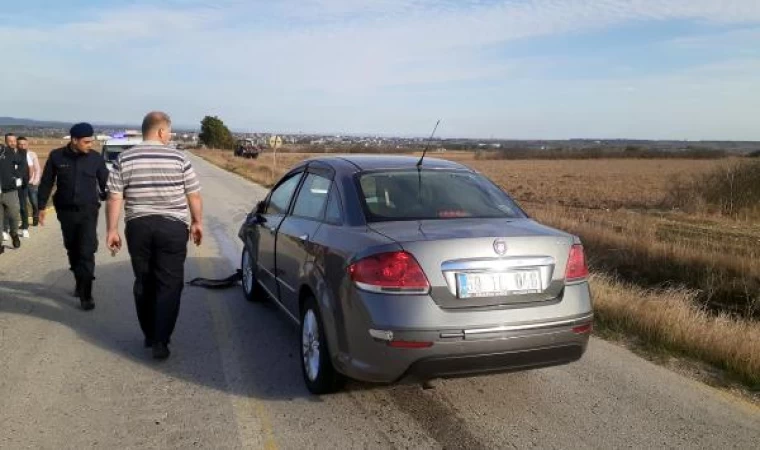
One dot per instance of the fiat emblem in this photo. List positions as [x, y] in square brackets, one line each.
[500, 247]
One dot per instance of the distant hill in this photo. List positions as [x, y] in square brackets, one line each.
[18, 122]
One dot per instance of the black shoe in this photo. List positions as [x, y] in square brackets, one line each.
[35, 221]
[149, 342]
[160, 350]
[87, 303]
[16, 240]
[85, 293]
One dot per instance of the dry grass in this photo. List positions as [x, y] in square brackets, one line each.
[732, 191]
[671, 319]
[261, 170]
[718, 258]
[588, 183]
[606, 184]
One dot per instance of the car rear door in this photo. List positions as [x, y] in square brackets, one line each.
[295, 250]
[276, 209]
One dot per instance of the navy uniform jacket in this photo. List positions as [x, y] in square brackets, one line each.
[80, 179]
[8, 173]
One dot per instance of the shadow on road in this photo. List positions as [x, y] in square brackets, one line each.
[221, 341]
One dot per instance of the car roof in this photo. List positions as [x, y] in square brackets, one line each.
[379, 162]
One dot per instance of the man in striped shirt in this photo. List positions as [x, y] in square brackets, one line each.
[158, 187]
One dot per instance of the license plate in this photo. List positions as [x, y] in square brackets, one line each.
[498, 284]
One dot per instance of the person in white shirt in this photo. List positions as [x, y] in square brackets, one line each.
[35, 173]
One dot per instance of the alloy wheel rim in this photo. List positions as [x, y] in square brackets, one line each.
[247, 272]
[310, 345]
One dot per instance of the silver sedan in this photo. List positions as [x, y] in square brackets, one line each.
[396, 271]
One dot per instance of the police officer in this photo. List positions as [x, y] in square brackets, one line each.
[80, 178]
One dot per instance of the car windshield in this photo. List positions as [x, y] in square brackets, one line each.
[432, 195]
[111, 152]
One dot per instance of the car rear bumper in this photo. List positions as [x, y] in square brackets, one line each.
[460, 342]
[452, 355]
[464, 365]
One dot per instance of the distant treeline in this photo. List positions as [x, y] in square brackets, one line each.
[599, 153]
[518, 152]
[526, 153]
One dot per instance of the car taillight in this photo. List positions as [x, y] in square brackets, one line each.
[576, 264]
[410, 344]
[394, 272]
[583, 329]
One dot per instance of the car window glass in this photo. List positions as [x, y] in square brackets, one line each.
[334, 211]
[280, 198]
[112, 152]
[433, 194]
[312, 198]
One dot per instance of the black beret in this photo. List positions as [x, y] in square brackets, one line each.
[82, 130]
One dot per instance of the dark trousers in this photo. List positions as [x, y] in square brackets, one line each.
[9, 212]
[158, 248]
[32, 194]
[23, 193]
[80, 237]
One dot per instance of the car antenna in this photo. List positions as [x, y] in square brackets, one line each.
[419, 163]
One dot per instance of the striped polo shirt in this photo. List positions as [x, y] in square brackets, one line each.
[154, 180]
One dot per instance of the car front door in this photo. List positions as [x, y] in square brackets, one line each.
[294, 247]
[274, 213]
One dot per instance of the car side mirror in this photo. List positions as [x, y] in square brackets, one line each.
[260, 207]
[259, 212]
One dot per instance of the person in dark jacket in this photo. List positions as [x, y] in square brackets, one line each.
[9, 184]
[80, 176]
[22, 171]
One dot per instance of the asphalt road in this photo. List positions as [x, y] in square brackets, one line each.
[74, 379]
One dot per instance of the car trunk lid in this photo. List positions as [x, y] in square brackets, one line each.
[485, 262]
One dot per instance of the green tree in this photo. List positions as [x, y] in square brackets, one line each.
[215, 134]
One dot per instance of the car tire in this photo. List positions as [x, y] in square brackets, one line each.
[252, 291]
[319, 374]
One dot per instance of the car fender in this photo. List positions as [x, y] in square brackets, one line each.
[314, 280]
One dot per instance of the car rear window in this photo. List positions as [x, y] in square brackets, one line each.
[433, 194]
[111, 152]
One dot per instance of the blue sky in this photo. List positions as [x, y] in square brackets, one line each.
[551, 69]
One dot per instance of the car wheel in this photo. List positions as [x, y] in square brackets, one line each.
[251, 289]
[318, 372]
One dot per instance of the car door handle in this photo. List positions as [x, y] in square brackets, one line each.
[304, 237]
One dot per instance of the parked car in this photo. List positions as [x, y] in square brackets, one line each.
[395, 273]
[112, 148]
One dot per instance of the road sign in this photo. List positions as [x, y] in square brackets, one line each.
[275, 142]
